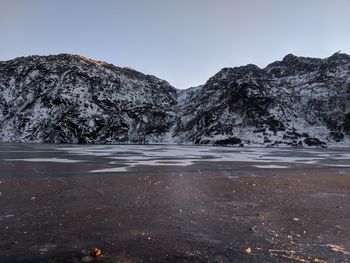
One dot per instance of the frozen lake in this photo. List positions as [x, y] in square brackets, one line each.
[147, 158]
[170, 203]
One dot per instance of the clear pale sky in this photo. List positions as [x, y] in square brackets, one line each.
[182, 41]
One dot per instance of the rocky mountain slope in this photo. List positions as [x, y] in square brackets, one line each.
[296, 101]
[72, 99]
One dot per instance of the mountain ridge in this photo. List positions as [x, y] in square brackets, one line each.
[69, 98]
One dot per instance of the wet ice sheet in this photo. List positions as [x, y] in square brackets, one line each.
[178, 194]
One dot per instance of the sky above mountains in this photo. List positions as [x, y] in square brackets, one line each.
[183, 41]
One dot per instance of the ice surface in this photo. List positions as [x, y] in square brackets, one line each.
[48, 160]
[121, 158]
[131, 156]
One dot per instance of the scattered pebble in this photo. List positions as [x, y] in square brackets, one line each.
[13, 243]
[319, 260]
[89, 254]
[97, 252]
[253, 228]
[337, 248]
[33, 198]
[43, 250]
[248, 250]
[86, 259]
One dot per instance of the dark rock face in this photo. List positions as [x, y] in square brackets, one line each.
[72, 99]
[313, 142]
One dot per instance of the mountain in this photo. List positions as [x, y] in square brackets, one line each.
[296, 101]
[73, 99]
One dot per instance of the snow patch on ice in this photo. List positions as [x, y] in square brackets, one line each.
[48, 160]
[271, 166]
[141, 164]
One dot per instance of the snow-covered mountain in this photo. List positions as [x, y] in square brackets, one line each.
[73, 99]
[294, 101]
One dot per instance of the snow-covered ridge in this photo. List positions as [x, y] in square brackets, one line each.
[73, 99]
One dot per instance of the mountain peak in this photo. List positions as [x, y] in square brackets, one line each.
[339, 56]
[86, 59]
[290, 58]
